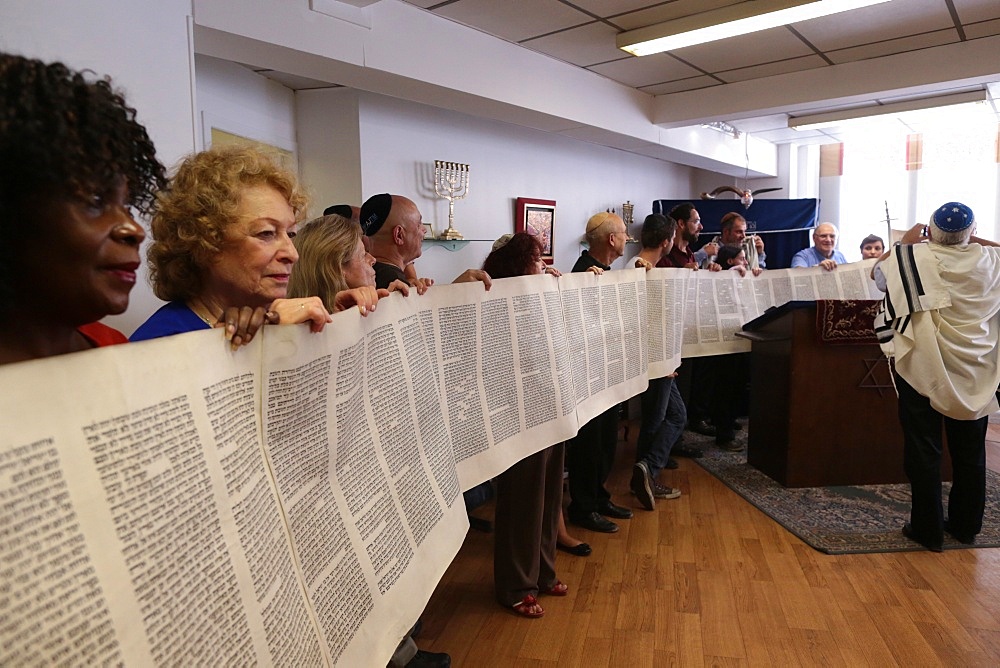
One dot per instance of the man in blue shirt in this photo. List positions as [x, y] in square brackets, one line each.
[823, 252]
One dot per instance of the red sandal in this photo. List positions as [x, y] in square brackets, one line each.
[524, 606]
[557, 589]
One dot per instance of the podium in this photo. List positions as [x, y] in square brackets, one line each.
[820, 414]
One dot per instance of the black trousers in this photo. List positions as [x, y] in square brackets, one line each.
[589, 458]
[922, 447]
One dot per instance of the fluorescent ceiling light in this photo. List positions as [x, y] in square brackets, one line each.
[739, 19]
[827, 119]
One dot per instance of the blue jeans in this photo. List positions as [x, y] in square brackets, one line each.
[663, 419]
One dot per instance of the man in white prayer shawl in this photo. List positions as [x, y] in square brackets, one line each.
[941, 319]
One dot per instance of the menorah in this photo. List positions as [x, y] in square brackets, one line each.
[451, 181]
[627, 209]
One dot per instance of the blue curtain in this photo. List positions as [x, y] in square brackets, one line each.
[784, 224]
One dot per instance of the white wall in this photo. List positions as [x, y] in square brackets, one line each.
[400, 141]
[143, 46]
[329, 146]
[234, 99]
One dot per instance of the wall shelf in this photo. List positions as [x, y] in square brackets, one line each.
[449, 244]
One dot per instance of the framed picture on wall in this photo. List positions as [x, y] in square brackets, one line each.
[538, 217]
[218, 130]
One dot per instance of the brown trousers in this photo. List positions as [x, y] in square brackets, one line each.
[529, 500]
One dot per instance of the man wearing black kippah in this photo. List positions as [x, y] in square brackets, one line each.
[395, 227]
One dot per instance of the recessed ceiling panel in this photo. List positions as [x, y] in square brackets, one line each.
[970, 11]
[514, 21]
[680, 85]
[877, 23]
[611, 7]
[586, 45]
[810, 62]
[745, 50]
[984, 29]
[787, 135]
[891, 46]
[646, 71]
[668, 11]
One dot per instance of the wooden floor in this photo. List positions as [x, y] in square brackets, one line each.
[707, 579]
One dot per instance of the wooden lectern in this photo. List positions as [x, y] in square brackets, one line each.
[820, 414]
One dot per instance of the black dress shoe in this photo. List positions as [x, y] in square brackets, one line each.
[618, 512]
[909, 533]
[424, 659]
[701, 427]
[581, 550]
[594, 522]
[960, 537]
[687, 451]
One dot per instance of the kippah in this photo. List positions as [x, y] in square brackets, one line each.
[597, 220]
[342, 210]
[501, 242]
[953, 217]
[374, 212]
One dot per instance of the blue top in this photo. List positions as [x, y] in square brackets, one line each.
[171, 318]
[810, 257]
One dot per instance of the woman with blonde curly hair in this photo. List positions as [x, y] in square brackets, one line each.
[222, 254]
[332, 258]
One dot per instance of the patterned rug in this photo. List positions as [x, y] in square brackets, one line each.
[837, 520]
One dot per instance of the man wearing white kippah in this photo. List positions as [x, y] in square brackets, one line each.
[591, 453]
[941, 321]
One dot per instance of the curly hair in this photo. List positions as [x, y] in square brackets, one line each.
[325, 245]
[196, 208]
[514, 258]
[64, 134]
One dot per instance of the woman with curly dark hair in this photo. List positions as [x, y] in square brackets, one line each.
[529, 493]
[74, 166]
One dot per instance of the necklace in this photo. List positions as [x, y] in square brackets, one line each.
[197, 310]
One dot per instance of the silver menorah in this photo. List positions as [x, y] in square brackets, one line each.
[451, 181]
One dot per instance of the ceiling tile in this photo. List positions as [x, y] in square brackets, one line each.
[787, 135]
[605, 8]
[891, 46]
[888, 20]
[746, 50]
[984, 29]
[680, 85]
[970, 11]
[645, 71]
[810, 62]
[668, 11]
[586, 45]
[514, 21]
